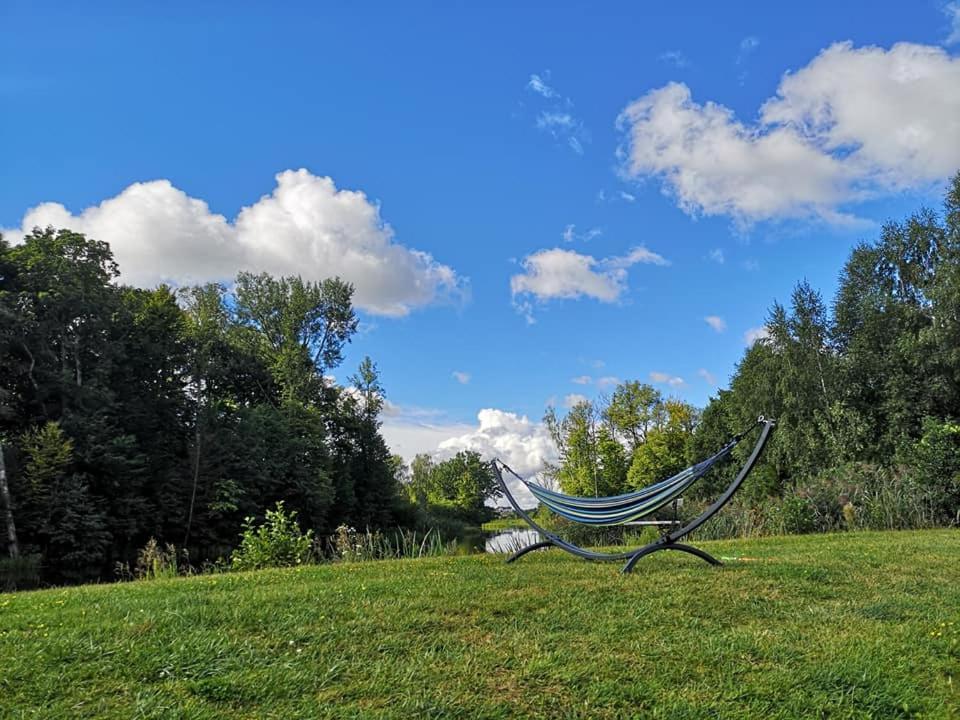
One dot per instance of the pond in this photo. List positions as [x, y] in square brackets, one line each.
[509, 541]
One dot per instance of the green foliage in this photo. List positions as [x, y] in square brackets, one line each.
[142, 414]
[633, 440]
[277, 542]
[873, 379]
[796, 515]
[463, 484]
[664, 450]
[936, 462]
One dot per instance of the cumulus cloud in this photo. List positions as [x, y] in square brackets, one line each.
[461, 377]
[627, 197]
[708, 376]
[523, 445]
[582, 380]
[565, 274]
[306, 226]
[852, 124]
[663, 378]
[716, 322]
[717, 256]
[755, 333]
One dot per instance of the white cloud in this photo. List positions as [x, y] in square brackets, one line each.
[636, 255]
[627, 197]
[563, 126]
[538, 85]
[570, 234]
[409, 437]
[523, 445]
[717, 256]
[716, 322]
[852, 124]
[306, 226]
[582, 380]
[574, 399]
[556, 273]
[557, 118]
[461, 377]
[556, 122]
[708, 376]
[952, 11]
[667, 379]
[608, 381]
[675, 58]
[756, 333]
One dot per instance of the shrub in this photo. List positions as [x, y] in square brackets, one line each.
[277, 542]
[797, 514]
[936, 462]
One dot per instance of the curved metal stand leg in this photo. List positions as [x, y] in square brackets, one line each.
[703, 555]
[530, 548]
[643, 552]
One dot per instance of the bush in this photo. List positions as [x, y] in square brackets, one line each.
[278, 542]
[797, 515]
[936, 462]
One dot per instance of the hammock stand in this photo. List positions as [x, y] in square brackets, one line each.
[623, 508]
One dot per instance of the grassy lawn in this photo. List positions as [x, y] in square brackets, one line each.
[856, 625]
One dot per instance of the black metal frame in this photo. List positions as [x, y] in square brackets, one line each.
[669, 541]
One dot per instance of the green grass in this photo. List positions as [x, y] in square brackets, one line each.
[853, 625]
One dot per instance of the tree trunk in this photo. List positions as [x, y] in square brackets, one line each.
[76, 360]
[196, 480]
[8, 509]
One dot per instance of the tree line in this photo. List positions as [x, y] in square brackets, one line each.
[865, 389]
[128, 414]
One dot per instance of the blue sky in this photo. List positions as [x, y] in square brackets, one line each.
[547, 192]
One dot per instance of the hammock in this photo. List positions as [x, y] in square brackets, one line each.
[620, 509]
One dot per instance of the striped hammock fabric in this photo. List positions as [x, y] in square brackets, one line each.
[620, 509]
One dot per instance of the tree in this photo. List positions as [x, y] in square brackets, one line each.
[462, 483]
[575, 436]
[664, 452]
[302, 327]
[633, 410]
